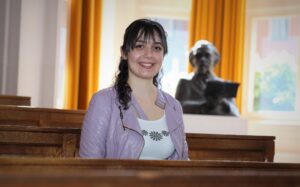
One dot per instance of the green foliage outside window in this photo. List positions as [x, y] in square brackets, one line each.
[275, 89]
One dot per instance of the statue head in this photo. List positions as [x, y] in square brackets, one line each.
[204, 56]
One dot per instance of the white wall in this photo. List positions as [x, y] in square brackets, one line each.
[108, 65]
[38, 51]
[9, 45]
[287, 142]
[2, 31]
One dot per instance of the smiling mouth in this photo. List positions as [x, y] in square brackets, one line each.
[146, 65]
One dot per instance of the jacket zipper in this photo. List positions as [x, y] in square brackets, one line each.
[121, 116]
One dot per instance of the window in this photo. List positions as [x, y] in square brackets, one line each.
[176, 61]
[272, 53]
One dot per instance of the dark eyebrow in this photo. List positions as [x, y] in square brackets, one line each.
[143, 41]
[158, 43]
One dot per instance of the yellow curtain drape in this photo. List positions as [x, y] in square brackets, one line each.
[221, 22]
[83, 52]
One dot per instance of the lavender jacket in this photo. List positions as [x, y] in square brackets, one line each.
[103, 135]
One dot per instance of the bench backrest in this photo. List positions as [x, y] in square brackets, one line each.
[64, 142]
[15, 100]
[42, 117]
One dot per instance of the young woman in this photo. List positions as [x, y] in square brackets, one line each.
[134, 119]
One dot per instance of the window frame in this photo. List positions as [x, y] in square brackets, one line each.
[248, 79]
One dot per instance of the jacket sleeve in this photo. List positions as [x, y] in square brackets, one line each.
[185, 153]
[185, 146]
[95, 126]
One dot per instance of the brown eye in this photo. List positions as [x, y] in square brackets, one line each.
[138, 46]
[158, 48]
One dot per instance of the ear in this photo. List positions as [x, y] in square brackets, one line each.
[123, 55]
[192, 62]
[216, 57]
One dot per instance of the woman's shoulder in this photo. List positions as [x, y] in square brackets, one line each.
[104, 95]
[106, 92]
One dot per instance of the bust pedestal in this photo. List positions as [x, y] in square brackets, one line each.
[215, 124]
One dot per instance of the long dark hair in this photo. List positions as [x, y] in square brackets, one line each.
[139, 28]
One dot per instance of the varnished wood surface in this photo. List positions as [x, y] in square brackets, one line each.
[20, 171]
[18, 140]
[229, 147]
[31, 131]
[39, 141]
[20, 163]
[127, 178]
[43, 117]
[15, 100]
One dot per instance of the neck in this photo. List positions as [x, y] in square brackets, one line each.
[204, 76]
[142, 88]
[201, 76]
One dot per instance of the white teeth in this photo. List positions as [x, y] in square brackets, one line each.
[146, 64]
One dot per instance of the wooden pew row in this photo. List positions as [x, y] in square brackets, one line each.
[64, 142]
[38, 141]
[43, 117]
[91, 172]
[172, 178]
[15, 100]
[231, 147]
[40, 163]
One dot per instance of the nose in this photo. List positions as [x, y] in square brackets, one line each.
[203, 59]
[148, 52]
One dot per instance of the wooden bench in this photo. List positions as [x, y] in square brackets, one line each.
[14, 100]
[38, 163]
[38, 141]
[64, 142]
[58, 172]
[26, 134]
[43, 117]
[129, 178]
[231, 147]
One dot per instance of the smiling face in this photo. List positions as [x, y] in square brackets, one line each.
[145, 58]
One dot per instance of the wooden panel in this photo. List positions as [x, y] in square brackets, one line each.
[116, 164]
[231, 147]
[30, 150]
[43, 117]
[129, 178]
[14, 100]
[227, 155]
[19, 171]
[38, 141]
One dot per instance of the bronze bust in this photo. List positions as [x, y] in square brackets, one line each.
[206, 93]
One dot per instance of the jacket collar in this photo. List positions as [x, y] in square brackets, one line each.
[160, 102]
[135, 111]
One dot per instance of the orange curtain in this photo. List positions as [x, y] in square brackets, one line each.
[221, 22]
[83, 52]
